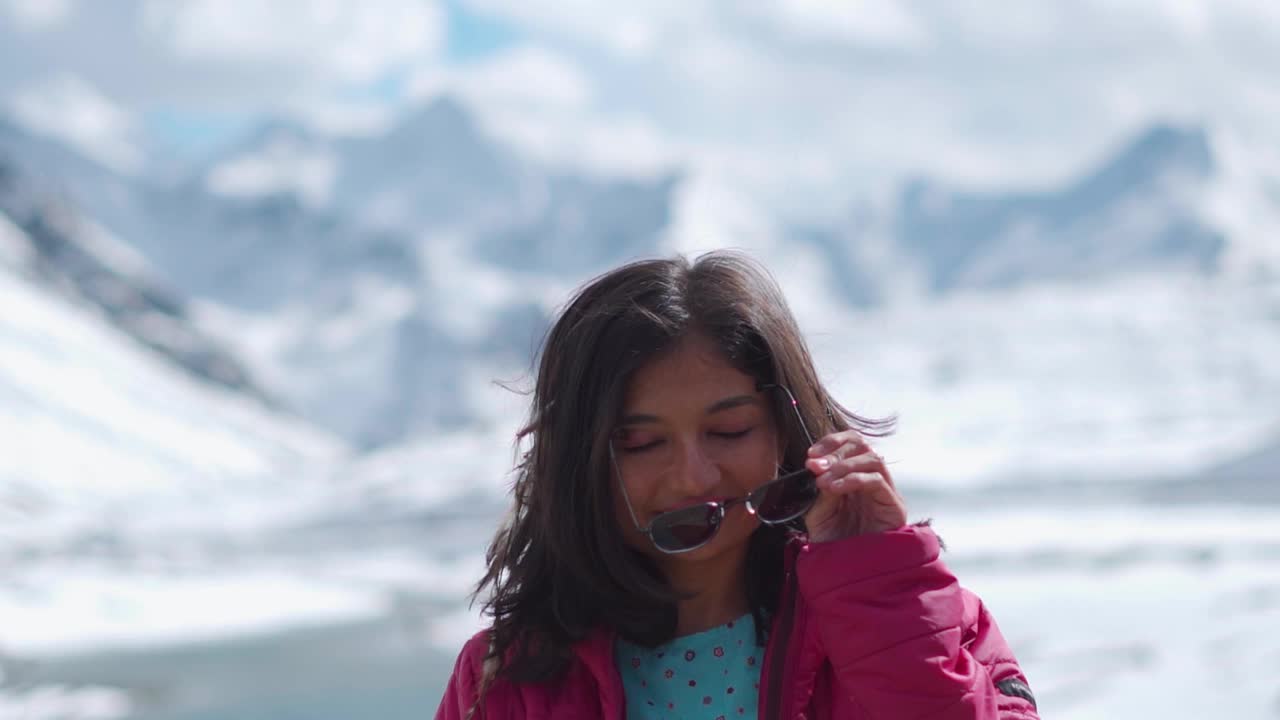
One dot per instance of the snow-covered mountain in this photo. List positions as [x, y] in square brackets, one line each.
[102, 434]
[337, 265]
[356, 273]
[1174, 199]
[1134, 304]
[1143, 209]
[369, 281]
[51, 243]
[55, 171]
[434, 168]
[436, 171]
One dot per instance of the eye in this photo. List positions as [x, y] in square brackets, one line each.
[642, 448]
[631, 441]
[733, 435]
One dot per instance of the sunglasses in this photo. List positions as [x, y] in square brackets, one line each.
[778, 501]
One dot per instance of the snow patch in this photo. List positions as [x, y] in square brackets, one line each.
[283, 165]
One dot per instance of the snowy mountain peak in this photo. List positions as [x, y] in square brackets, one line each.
[280, 157]
[279, 129]
[1140, 210]
[1161, 154]
[442, 118]
[434, 168]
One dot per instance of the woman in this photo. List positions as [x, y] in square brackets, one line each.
[680, 546]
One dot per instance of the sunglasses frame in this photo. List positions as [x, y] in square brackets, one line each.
[716, 509]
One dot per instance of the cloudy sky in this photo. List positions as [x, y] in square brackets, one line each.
[803, 98]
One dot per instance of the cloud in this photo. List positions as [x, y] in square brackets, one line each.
[69, 109]
[854, 93]
[353, 41]
[37, 15]
[630, 31]
[230, 57]
[800, 98]
[343, 116]
[282, 166]
[869, 23]
[533, 77]
[543, 102]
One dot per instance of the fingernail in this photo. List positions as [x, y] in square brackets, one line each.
[837, 482]
[824, 463]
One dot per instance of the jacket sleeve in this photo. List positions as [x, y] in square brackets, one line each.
[464, 683]
[903, 638]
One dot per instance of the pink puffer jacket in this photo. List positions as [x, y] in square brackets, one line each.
[869, 627]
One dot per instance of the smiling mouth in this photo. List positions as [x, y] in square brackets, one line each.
[694, 502]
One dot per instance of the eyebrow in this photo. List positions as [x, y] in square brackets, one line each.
[718, 406]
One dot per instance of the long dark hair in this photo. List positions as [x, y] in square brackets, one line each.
[559, 567]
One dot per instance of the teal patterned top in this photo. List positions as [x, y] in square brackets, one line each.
[710, 675]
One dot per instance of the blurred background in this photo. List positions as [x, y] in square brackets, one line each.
[265, 267]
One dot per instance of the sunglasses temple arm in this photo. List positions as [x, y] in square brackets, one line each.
[623, 489]
[795, 407]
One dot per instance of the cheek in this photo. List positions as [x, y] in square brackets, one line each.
[641, 488]
[755, 464]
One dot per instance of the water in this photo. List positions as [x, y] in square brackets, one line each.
[368, 669]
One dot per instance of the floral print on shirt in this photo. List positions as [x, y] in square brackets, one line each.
[710, 675]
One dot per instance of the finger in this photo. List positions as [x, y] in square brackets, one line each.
[827, 481]
[858, 482]
[846, 468]
[853, 448]
[888, 478]
[851, 445]
[847, 459]
[830, 442]
[872, 462]
[873, 495]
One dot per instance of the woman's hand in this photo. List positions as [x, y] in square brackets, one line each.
[856, 494]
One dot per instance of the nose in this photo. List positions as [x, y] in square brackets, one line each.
[696, 473]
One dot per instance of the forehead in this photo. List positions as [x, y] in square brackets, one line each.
[693, 373]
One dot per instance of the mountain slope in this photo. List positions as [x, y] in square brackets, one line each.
[54, 244]
[355, 298]
[103, 435]
[1140, 210]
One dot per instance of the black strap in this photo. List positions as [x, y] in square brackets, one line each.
[1014, 687]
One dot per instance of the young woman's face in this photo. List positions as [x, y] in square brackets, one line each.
[694, 428]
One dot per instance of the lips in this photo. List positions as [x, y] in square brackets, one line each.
[690, 502]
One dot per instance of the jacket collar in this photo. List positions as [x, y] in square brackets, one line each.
[595, 652]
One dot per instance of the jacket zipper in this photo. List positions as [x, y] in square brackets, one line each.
[782, 648]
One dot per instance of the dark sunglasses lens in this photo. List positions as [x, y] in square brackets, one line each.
[685, 529]
[786, 498]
